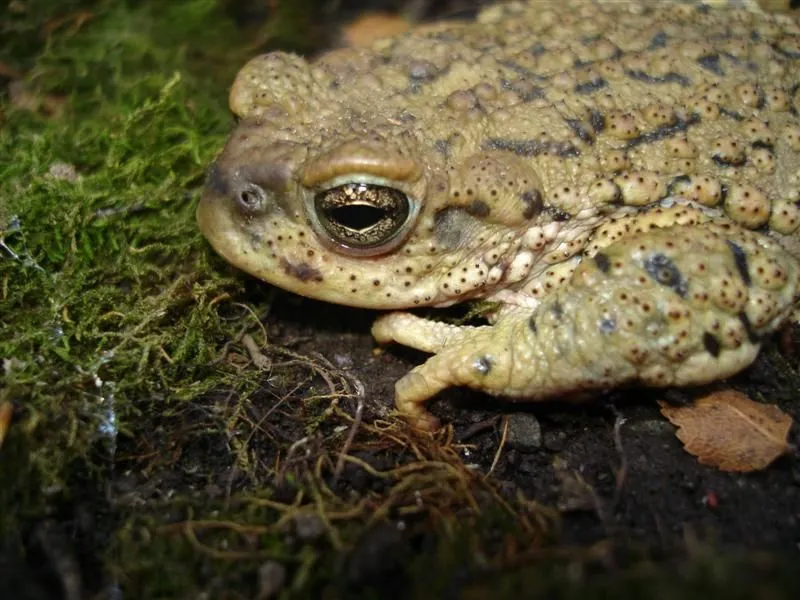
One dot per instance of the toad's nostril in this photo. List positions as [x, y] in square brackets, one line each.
[251, 197]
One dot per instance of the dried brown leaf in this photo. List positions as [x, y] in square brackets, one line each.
[373, 26]
[6, 413]
[728, 430]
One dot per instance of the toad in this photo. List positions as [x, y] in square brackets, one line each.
[621, 179]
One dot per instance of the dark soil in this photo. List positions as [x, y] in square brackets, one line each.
[643, 488]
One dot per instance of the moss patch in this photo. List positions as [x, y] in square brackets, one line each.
[107, 292]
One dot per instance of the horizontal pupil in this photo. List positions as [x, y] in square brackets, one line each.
[358, 217]
[363, 217]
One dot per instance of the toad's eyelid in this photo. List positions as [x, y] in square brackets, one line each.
[365, 178]
[356, 157]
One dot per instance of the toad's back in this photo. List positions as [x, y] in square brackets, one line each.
[586, 94]
[545, 149]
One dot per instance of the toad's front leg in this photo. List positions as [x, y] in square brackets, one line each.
[677, 306]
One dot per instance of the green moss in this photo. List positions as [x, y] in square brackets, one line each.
[115, 314]
[107, 288]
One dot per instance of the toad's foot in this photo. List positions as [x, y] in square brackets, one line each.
[419, 333]
[428, 336]
[677, 306]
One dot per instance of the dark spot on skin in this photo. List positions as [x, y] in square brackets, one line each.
[751, 66]
[755, 35]
[449, 223]
[216, 181]
[664, 271]
[524, 88]
[670, 77]
[483, 365]
[532, 147]
[602, 261]
[733, 58]
[762, 100]
[442, 147]
[597, 120]
[532, 324]
[533, 203]
[711, 344]
[608, 325]
[537, 49]
[787, 53]
[762, 144]
[422, 70]
[256, 240]
[664, 132]
[518, 68]
[675, 182]
[724, 162]
[557, 214]
[302, 272]
[659, 40]
[748, 327]
[479, 208]
[557, 309]
[587, 87]
[731, 114]
[740, 258]
[581, 130]
[710, 62]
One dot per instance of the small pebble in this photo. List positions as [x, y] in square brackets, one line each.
[271, 577]
[524, 432]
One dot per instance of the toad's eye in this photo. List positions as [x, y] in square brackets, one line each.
[363, 219]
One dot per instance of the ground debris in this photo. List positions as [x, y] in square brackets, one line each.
[271, 577]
